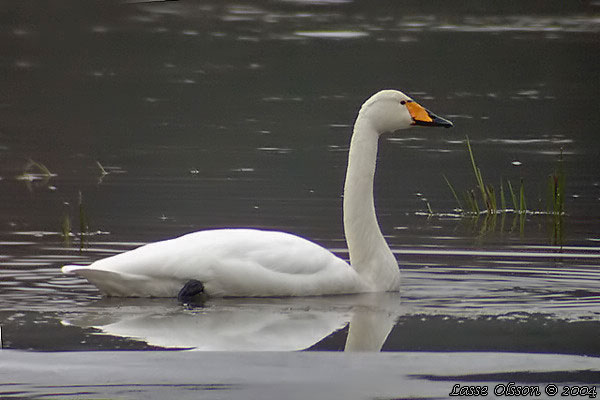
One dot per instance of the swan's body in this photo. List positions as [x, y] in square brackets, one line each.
[250, 262]
[229, 262]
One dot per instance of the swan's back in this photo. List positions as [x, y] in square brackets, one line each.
[229, 262]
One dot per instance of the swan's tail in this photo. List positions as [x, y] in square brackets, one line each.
[73, 269]
[120, 284]
[108, 282]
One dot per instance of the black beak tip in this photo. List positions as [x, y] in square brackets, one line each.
[439, 121]
[436, 121]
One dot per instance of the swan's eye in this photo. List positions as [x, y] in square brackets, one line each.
[403, 102]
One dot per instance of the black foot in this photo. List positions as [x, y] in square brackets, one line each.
[191, 289]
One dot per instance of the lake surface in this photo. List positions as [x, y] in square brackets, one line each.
[124, 123]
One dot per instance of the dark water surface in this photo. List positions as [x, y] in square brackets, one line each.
[220, 114]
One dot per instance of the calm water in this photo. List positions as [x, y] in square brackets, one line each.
[239, 114]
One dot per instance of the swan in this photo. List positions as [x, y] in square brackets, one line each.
[263, 263]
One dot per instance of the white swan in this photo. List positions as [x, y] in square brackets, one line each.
[251, 262]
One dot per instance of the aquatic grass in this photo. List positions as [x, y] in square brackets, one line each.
[478, 177]
[487, 193]
[83, 221]
[460, 206]
[66, 225]
[522, 204]
[103, 172]
[101, 168]
[555, 202]
[65, 228]
[472, 200]
[42, 169]
[469, 201]
[513, 197]
[34, 171]
[556, 188]
[491, 197]
[502, 198]
[429, 207]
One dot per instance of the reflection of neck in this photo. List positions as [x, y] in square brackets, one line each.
[368, 330]
[369, 252]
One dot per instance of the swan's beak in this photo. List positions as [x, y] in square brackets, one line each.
[422, 116]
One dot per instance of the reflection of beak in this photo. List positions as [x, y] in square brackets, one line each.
[422, 116]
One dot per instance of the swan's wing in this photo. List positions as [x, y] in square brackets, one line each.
[231, 262]
[118, 283]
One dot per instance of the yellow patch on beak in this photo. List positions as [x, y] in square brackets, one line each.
[417, 112]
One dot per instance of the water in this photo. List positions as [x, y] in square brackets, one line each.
[239, 114]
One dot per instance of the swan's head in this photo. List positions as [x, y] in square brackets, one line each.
[391, 110]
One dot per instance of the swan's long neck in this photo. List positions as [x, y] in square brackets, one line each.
[370, 255]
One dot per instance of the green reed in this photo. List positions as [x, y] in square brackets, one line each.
[83, 221]
[40, 167]
[66, 226]
[486, 194]
[556, 189]
[556, 201]
[482, 199]
[478, 177]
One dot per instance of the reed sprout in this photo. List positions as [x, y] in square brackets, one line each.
[460, 206]
[513, 197]
[66, 226]
[486, 194]
[502, 198]
[41, 168]
[556, 189]
[522, 204]
[33, 172]
[556, 200]
[479, 178]
[429, 208]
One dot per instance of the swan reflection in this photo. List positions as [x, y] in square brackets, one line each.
[273, 324]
